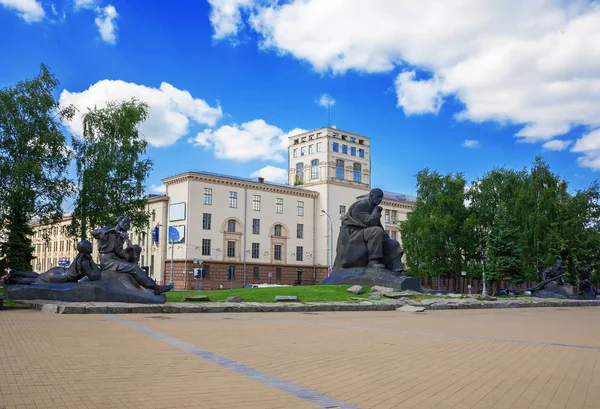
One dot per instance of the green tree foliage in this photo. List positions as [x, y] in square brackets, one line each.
[111, 167]
[504, 255]
[434, 233]
[33, 163]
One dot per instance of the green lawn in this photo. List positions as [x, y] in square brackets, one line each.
[8, 303]
[314, 293]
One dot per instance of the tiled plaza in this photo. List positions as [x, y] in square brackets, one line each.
[497, 358]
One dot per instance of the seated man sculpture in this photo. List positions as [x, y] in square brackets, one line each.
[82, 266]
[113, 256]
[584, 282]
[555, 273]
[363, 242]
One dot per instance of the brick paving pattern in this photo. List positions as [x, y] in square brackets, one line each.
[511, 358]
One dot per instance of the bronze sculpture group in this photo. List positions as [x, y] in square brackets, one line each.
[114, 257]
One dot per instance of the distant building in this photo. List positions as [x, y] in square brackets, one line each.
[248, 231]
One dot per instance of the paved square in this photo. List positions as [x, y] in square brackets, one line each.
[504, 358]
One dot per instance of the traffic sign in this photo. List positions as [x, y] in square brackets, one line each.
[270, 274]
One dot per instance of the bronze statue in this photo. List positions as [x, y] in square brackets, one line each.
[82, 266]
[584, 279]
[555, 273]
[363, 241]
[113, 256]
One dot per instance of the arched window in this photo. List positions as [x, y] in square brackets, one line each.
[300, 172]
[357, 173]
[231, 226]
[277, 230]
[339, 169]
[314, 169]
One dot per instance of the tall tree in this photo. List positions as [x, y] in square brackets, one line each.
[111, 166]
[33, 163]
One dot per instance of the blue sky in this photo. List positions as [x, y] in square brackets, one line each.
[456, 86]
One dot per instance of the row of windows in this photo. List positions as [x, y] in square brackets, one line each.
[311, 149]
[340, 170]
[391, 216]
[255, 273]
[256, 202]
[231, 226]
[255, 252]
[336, 148]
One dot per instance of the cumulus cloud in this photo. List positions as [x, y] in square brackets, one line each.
[271, 174]
[589, 145]
[158, 189]
[171, 110]
[85, 4]
[251, 140]
[326, 101]
[557, 145]
[105, 21]
[471, 143]
[226, 17]
[534, 63]
[29, 10]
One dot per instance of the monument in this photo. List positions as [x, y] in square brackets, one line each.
[365, 254]
[119, 278]
[554, 285]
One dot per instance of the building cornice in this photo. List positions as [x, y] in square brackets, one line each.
[225, 181]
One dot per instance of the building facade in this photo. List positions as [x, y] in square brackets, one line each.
[234, 231]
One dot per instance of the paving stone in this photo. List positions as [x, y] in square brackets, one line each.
[286, 298]
[195, 298]
[410, 308]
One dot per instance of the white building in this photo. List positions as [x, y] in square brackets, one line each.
[242, 231]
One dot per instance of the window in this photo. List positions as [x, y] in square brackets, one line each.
[319, 146]
[206, 221]
[277, 230]
[311, 148]
[277, 252]
[256, 202]
[314, 169]
[394, 216]
[207, 196]
[361, 142]
[206, 247]
[335, 147]
[255, 250]
[352, 151]
[279, 205]
[299, 231]
[255, 226]
[231, 226]
[387, 216]
[361, 153]
[231, 248]
[278, 273]
[357, 174]
[352, 139]
[393, 235]
[256, 274]
[233, 200]
[339, 169]
[300, 209]
[299, 250]
[342, 210]
[230, 273]
[345, 149]
[299, 172]
[303, 151]
[295, 153]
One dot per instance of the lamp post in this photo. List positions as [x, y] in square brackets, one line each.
[172, 255]
[483, 290]
[323, 212]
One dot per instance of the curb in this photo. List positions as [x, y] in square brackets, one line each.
[219, 307]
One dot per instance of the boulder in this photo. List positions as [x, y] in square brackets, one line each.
[355, 289]
[195, 298]
[375, 296]
[235, 298]
[286, 298]
[410, 308]
[378, 288]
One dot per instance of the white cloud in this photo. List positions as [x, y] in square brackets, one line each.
[252, 140]
[471, 143]
[534, 63]
[171, 110]
[29, 10]
[85, 4]
[326, 101]
[158, 189]
[271, 174]
[418, 96]
[557, 145]
[226, 18]
[106, 24]
[589, 145]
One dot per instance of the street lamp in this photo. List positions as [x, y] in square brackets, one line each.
[323, 212]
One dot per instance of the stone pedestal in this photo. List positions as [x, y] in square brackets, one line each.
[371, 277]
[564, 292]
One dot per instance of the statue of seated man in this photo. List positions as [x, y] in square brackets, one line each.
[363, 242]
[557, 272]
[82, 266]
[113, 256]
[584, 282]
